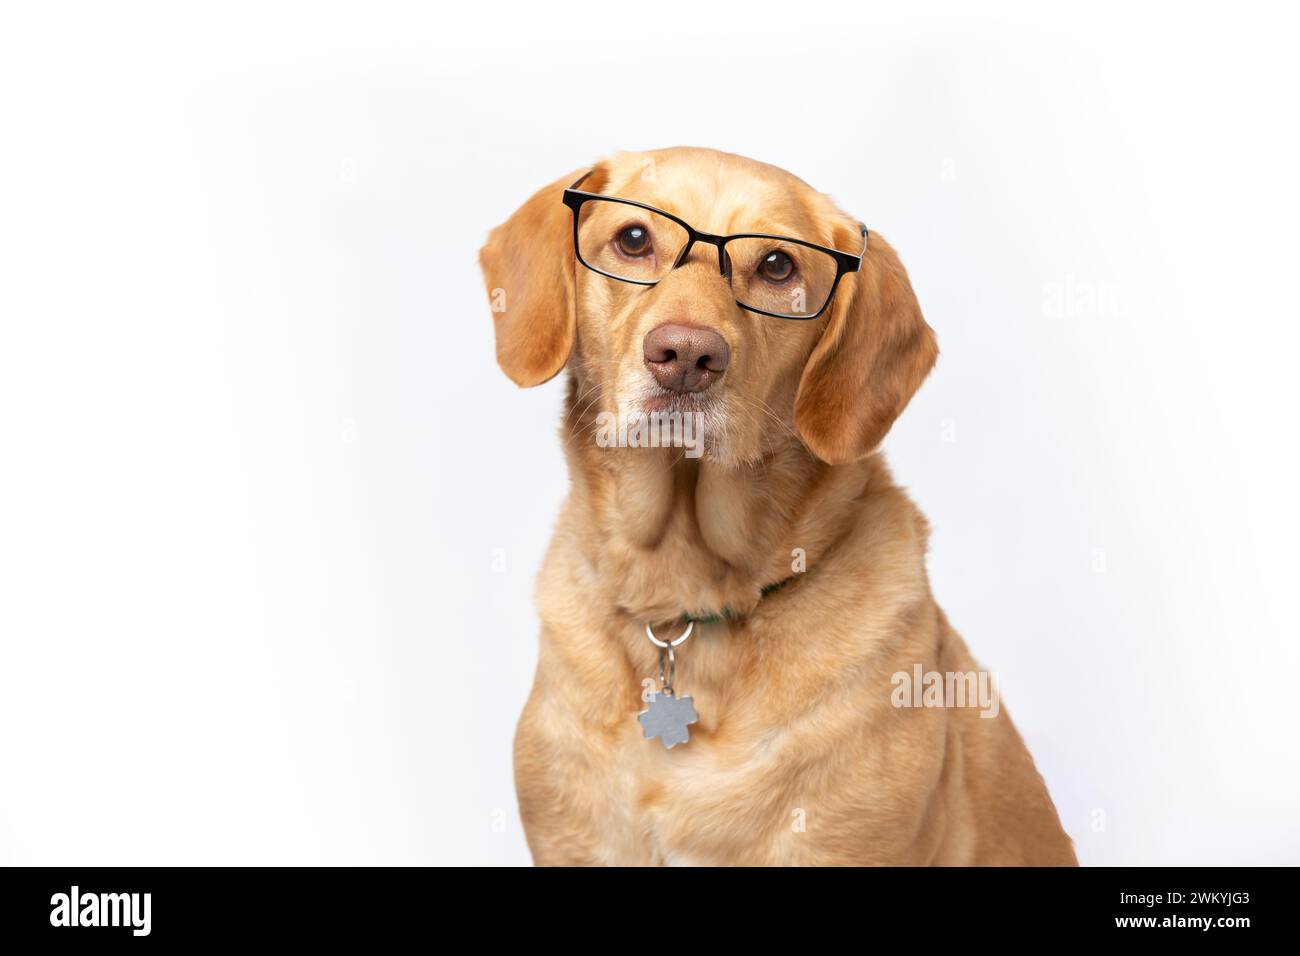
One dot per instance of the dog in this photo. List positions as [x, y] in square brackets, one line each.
[685, 285]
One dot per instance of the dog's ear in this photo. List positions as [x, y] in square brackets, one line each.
[871, 358]
[527, 264]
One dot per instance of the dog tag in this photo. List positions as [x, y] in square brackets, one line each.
[668, 718]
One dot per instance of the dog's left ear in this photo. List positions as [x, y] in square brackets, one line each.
[872, 356]
[528, 267]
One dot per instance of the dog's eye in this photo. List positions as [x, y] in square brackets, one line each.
[633, 241]
[776, 267]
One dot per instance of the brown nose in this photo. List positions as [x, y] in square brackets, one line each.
[686, 358]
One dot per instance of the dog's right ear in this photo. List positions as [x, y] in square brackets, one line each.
[528, 267]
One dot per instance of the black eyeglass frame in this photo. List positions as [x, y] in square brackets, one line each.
[846, 262]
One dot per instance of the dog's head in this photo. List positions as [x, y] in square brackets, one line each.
[663, 328]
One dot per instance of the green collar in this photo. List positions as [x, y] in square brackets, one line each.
[729, 613]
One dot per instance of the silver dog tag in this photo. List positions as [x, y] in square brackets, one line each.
[668, 718]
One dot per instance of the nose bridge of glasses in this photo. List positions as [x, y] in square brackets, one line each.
[698, 239]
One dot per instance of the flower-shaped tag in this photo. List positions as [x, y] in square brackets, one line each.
[668, 718]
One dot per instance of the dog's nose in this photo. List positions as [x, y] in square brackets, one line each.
[686, 358]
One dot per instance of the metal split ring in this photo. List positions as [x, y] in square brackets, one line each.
[666, 651]
[674, 643]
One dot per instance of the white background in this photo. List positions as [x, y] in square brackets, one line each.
[270, 516]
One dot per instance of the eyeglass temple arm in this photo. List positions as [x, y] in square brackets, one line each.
[582, 179]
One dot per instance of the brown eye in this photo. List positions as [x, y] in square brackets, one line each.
[776, 267]
[633, 241]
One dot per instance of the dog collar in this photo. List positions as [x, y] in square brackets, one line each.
[730, 613]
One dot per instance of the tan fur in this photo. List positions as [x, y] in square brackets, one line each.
[800, 756]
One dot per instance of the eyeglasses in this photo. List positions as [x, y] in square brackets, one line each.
[779, 276]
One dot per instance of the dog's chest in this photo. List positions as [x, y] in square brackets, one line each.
[692, 805]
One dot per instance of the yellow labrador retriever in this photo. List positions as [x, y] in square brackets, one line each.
[741, 661]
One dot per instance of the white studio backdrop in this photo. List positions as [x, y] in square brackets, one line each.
[270, 516]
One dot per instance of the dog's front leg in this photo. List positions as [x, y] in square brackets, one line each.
[572, 807]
